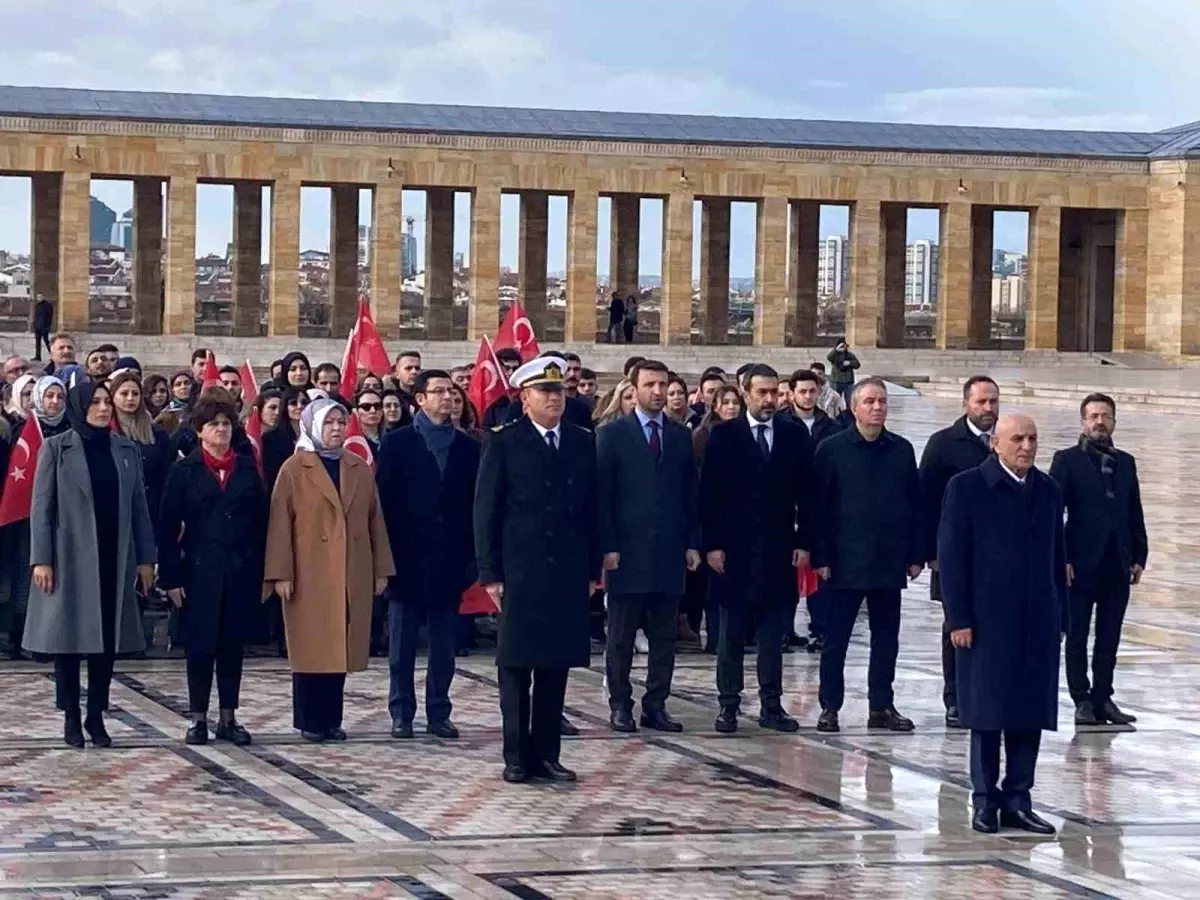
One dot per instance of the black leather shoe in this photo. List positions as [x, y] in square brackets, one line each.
[952, 720]
[94, 726]
[73, 731]
[1085, 713]
[986, 821]
[828, 721]
[888, 719]
[621, 721]
[197, 734]
[234, 733]
[313, 737]
[658, 720]
[553, 772]
[515, 774]
[567, 729]
[335, 734]
[1026, 821]
[444, 729]
[727, 721]
[402, 730]
[778, 720]
[1112, 713]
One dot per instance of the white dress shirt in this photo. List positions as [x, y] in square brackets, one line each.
[769, 425]
[557, 431]
[1011, 473]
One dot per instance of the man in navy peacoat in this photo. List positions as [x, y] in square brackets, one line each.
[1004, 585]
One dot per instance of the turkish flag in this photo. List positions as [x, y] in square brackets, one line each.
[17, 497]
[488, 383]
[254, 432]
[211, 374]
[356, 441]
[516, 331]
[364, 350]
[249, 384]
[476, 601]
[807, 581]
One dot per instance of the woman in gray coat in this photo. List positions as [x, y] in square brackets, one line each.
[89, 531]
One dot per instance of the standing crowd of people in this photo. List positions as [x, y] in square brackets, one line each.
[643, 517]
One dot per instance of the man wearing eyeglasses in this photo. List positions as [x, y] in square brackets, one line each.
[15, 367]
[426, 477]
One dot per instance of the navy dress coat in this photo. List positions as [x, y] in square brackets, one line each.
[536, 532]
[757, 511]
[212, 543]
[1003, 570]
[648, 506]
[431, 512]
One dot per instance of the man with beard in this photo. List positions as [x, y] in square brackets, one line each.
[962, 446]
[1106, 553]
[805, 389]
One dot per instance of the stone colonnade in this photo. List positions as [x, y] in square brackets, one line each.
[1119, 239]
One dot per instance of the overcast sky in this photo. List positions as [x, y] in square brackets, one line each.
[1037, 63]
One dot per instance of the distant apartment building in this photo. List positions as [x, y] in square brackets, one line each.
[1008, 296]
[122, 231]
[831, 266]
[102, 218]
[364, 245]
[921, 276]
[408, 249]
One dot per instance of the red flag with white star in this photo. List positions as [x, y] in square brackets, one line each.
[17, 496]
[212, 375]
[364, 350]
[516, 331]
[356, 441]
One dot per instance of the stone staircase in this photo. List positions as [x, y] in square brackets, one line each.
[1069, 390]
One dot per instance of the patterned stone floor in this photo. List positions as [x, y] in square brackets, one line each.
[697, 815]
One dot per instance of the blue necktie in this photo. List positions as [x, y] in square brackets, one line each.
[762, 441]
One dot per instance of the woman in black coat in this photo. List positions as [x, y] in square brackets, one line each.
[279, 443]
[212, 537]
[133, 421]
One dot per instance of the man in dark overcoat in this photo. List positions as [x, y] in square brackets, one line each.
[650, 535]
[964, 445]
[869, 507]
[756, 531]
[538, 549]
[426, 475]
[1003, 568]
[1107, 549]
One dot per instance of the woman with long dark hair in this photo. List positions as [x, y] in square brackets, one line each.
[268, 403]
[279, 443]
[90, 539]
[368, 409]
[183, 391]
[156, 394]
[134, 422]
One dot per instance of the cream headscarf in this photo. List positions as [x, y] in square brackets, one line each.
[312, 424]
[14, 402]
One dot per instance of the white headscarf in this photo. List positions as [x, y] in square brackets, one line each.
[42, 385]
[312, 424]
[14, 402]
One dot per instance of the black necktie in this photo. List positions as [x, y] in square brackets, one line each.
[550, 441]
[762, 441]
[655, 442]
[987, 440]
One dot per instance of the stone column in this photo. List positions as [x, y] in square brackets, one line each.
[1041, 284]
[894, 238]
[343, 259]
[283, 312]
[805, 264]
[74, 252]
[580, 321]
[714, 269]
[862, 305]
[625, 244]
[1129, 295]
[179, 316]
[246, 264]
[147, 256]
[531, 268]
[439, 263]
[675, 318]
[46, 188]
[484, 313]
[770, 272]
[387, 222]
[979, 321]
[1173, 258]
[954, 277]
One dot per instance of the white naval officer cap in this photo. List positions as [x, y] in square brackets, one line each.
[547, 372]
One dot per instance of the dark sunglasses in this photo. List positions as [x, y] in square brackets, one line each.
[370, 407]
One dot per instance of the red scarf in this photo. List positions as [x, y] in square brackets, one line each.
[221, 468]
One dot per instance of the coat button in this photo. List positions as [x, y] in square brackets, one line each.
[324, 537]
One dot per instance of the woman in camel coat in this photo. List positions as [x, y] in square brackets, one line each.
[327, 558]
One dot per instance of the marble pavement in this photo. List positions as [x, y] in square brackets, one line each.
[697, 815]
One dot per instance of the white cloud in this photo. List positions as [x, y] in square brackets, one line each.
[1010, 107]
[52, 58]
[167, 61]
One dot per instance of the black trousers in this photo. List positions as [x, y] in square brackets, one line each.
[659, 614]
[317, 700]
[40, 338]
[380, 623]
[1107, 590]
[692, 604]
[949, 673]
[228, 664]
[406, 619]
[66, 681]
[883, 612]
[731, 649]
[531, 706]
[1020, 753]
